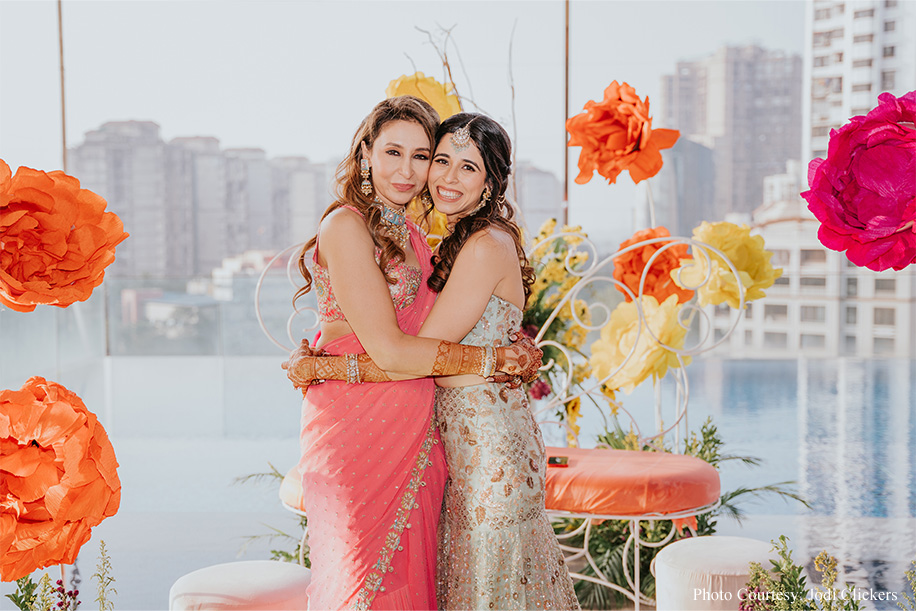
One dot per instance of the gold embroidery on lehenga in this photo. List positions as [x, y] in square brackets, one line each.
[496, 547]
[373, 582]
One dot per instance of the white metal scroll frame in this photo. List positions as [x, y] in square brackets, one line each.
[592, 272]
[601, 271]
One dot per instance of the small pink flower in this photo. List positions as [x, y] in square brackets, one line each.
[539, 390]
[864, 193]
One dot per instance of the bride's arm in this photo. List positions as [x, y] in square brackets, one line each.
[364, 298]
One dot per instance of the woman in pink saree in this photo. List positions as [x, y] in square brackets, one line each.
[373, 471]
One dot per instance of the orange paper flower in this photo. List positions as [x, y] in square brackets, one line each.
[616, 134]
[628, 267]
[58, 477]
[55, 239]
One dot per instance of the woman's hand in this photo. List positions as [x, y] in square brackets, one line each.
[302, 365]
[522, 359]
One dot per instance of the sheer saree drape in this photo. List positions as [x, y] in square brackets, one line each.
[373, 474]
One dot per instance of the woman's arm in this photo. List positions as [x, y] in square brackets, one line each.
[364, 298]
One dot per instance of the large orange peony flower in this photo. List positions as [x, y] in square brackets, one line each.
[58, 477]
[629, 267]
[55, 239]
[616, 134]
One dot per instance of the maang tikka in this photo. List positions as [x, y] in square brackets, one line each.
[461, 138]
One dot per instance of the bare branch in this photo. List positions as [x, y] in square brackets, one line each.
[514, 123]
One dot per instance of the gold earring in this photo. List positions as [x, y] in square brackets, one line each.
[366, 185]
[485, 196]
[426, 199]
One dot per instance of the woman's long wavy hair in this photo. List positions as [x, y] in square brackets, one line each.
[496, 150]
[403, 108]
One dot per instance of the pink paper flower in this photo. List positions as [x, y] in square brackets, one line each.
[539, 390]
[864, 193]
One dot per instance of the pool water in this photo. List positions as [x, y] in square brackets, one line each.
[843, 430]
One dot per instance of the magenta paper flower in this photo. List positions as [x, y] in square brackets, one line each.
[864, 193]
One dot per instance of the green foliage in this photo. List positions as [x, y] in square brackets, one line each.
[103, 576]
[783, 587]
[24, 596]
[45, 600]
[294, 541]
[608, 538]
[910, 600]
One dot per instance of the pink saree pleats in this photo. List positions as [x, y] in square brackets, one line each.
[373, 474]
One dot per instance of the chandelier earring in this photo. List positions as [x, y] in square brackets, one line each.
[426, 199]
[366, 185]
[484, 198]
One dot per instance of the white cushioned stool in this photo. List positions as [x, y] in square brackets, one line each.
[706, 573]
[246, 585]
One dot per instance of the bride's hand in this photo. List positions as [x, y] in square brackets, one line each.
[302, 363]
[522, 358]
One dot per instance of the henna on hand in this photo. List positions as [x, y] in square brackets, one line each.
[454, 359]
[522, 358]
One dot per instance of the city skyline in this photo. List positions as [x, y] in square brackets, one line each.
[276, 76]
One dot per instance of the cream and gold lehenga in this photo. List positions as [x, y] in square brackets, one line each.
[497, 549]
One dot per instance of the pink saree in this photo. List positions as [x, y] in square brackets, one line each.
[373, 476]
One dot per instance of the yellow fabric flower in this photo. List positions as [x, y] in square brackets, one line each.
[573, 411]
[571, 239]
[430, 90]
[581, 372]
[649, 358]
[611, 395]
[547, 228]
[745, 251]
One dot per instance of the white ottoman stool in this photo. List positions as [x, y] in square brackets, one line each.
[706, 573]
[248, 585]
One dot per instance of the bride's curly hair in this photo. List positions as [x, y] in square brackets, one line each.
[496, 150]
[402, 108]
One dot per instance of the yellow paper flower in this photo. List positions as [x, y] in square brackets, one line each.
[428, 89]
[649, 358]
[745, 251]
[611, 395]
[575, 334]
[573, 411]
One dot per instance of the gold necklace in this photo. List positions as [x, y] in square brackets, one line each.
[395, 222]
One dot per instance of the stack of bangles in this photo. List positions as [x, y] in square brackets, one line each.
[488, 365]
[353, 374]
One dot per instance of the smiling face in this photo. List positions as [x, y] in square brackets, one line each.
[456, 179]
[399, 159]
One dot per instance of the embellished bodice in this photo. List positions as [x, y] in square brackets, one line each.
[499, 319]
[403, 291]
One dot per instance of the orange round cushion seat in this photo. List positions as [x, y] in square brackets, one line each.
[629, 483]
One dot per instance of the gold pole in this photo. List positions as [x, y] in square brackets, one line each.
[63, 111]
[565, 117]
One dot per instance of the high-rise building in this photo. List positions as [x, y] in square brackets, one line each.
[202, 167]
[302, 190]
[251, 223]
[539, 197]
[853, 52]
[823, 305]
[683, 191]
[743, 103]
[125, 162]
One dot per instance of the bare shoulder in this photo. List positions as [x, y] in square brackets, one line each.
[490, 245]
[344, 223]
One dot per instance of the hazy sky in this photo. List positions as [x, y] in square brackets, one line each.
[295, 78]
